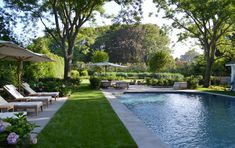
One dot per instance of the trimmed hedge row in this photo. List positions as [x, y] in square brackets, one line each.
[144, 75]
[56, 84]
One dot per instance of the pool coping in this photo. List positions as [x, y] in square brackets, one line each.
[143, 136]
[181, 91]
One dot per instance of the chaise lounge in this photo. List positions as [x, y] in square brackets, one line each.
[21, 105]
[31, 92]
[11, 89]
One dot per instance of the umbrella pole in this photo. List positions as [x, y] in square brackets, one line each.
[19, 74]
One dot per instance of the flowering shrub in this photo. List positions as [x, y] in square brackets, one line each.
[15, 131]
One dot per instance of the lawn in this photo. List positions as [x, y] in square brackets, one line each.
[85, 120]
[230, 93]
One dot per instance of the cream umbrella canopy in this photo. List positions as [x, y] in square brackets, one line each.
[12, 52]
[106, 64]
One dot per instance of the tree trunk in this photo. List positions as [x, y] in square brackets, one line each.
[67, 67]
[207, 76]
[210, 58]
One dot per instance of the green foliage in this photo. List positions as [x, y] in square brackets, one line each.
[159, 60]
[134, 67]
[132, 43]
[189, 56]
[19, 125]
[84, 73]
[100, 56]
[192, 82]
[95, 82]
[161, 81]
[35, 71]
[7, 73]
[218, 88]
[74, 74]
[65, 87]
[210, 22]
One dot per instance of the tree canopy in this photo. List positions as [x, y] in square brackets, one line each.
[132, 43]
[209, 21]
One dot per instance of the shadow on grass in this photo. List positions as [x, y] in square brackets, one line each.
[85, 120]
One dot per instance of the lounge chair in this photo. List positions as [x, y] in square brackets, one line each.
[31, 92]
[11, 89]
[22, 105]
[122, 84]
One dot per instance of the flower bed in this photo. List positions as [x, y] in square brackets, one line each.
[15, 132]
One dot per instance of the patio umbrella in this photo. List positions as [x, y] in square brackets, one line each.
[106, 64]
[12, 52]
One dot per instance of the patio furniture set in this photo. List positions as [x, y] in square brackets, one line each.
[35, 100]
[116, 84]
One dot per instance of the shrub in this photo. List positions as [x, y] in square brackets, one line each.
[215, 81]
[219, 88]
[7, 73]
[84, 73]
[154, 82]
[16, 132]
[148, 81]
[74, 74]
[99, 56]
[55, 84]
[95, 82]
[192, 82]
[122, 74]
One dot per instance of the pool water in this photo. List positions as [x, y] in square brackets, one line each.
[186, 120]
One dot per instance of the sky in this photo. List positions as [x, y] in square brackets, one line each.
[178, 48]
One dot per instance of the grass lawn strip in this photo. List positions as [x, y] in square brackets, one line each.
[85, 120]
[230, 93]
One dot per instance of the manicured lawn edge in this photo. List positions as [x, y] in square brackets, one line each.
[85, 120]
[229, 93]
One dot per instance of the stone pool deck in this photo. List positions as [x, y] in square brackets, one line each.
[143, 136]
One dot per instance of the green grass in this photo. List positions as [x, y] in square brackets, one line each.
[86, 120]
[230, 93]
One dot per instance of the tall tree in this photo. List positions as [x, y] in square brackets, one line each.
[206, 20]
[159, 60]
[132, 43]
[62, 19]
[189, 55]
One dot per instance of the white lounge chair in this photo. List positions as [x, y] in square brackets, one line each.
[11, 89]
[31, 92]
[22, 105]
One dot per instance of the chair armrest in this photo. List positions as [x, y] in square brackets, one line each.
[23, 99]
[33, 94]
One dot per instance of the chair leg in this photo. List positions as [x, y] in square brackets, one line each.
[36, 110]
[41, 108]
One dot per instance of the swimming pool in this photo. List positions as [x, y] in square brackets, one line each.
[186, 120]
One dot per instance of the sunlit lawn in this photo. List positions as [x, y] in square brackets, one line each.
[85, 120]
